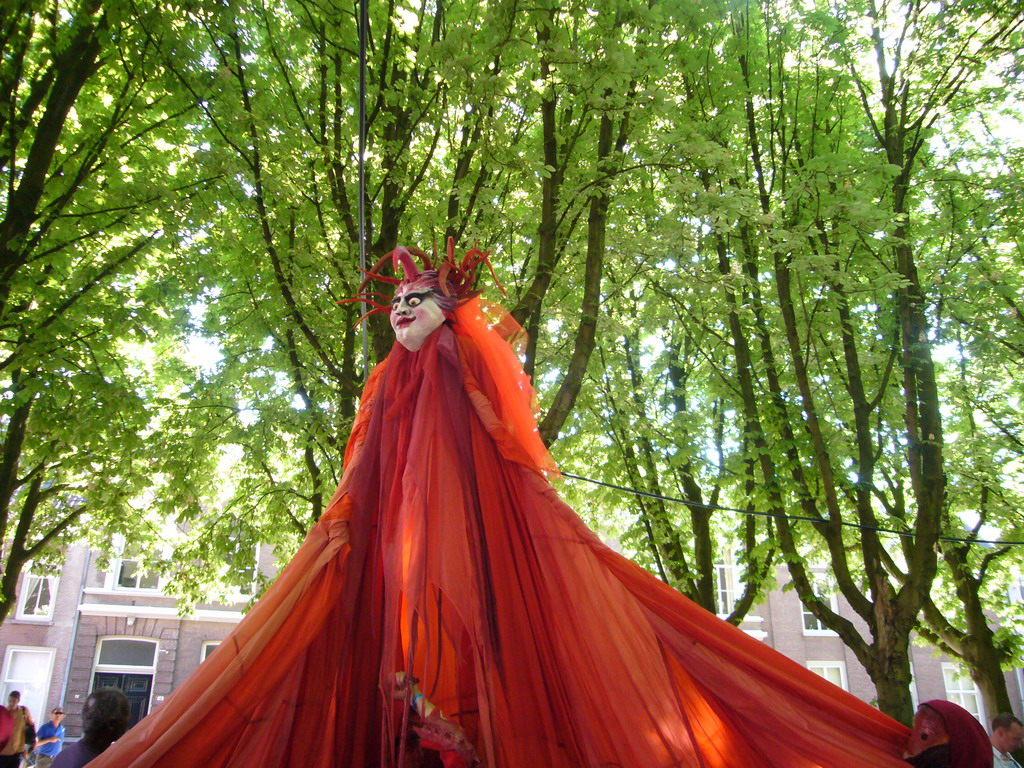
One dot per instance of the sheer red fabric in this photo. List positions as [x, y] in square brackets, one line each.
[446, 554]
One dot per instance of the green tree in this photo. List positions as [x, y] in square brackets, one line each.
[279, 237]
[655, 417]
[973, 220]
[455, 148]
[795, 198]
[94, 178]
[740, 247]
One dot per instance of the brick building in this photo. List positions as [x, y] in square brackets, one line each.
[123, 631]
[782, 622]
[90, 627]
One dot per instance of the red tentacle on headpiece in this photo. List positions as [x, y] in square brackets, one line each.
[366, 299]
[373, 273]
[459, 277]
[402, 256]
[454, 278]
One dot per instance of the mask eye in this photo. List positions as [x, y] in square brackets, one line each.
[415, 301]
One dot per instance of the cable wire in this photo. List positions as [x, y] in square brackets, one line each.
[878, 529]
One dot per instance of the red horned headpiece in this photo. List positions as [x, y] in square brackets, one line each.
[450, 280]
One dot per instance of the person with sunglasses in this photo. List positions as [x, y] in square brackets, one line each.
[50, 738]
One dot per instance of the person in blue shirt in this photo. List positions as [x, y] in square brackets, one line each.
[50, 739]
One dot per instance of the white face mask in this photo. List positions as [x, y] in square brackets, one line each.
[415, 314]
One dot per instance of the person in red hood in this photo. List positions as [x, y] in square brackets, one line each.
[6, 726]
[946, 735]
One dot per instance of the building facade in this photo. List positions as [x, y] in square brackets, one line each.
[89, 627]
[782, 622]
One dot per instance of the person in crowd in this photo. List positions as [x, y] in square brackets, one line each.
[6, 726]
[50, 738]
[946, 735]
[1007, 737]
[105, 717]
[21, 718]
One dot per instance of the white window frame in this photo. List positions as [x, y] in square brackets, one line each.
[1016, 590]
[128, 669]
[822, 591]
[36, 704]
[208, 647]
[26, 581]
[915, 697]
[821, 668]
[962, 690]
[727, 583]
[112, 578]
[115, 577]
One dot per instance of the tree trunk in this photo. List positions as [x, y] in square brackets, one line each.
[72, 69]
[889, 671]
[974, 642]
[586, 333]
[986, 669]
[527, 312]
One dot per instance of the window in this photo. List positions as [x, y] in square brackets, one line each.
[728, 584]
[961, 689]
[833, 671]
[38, 593]
[824, 589]
[915, 698]
[131, 576]
[126, 653]
[242, 560]
[208, 647]
[27, 669]
[127, 571]
[1017, 590]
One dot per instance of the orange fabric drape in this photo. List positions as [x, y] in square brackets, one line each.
[446, 553]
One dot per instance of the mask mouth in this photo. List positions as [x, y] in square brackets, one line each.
[404, 321]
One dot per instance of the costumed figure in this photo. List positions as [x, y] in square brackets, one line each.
[946, 735]
[446, 565]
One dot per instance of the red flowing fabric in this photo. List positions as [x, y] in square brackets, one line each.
[446, 554]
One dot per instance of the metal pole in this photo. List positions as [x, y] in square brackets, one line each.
[363, 26]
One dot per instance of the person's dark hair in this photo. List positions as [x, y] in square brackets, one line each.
[14, 695]
[1005, 721]
[105, 715]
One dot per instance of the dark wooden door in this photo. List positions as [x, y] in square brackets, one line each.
[135, 687]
